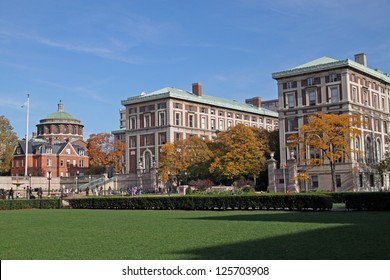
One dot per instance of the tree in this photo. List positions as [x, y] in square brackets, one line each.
[8, 141]
[326, 136]
[238, 152]
[103, 150]
[184, 159]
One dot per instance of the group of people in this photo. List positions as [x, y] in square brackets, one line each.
[133, 191]
[98, 191]
[11, 194]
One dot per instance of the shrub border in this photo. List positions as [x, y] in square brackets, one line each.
[290, 202]
[11, 204]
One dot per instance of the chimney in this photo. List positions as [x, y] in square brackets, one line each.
[361, 58]
[255, 101]
[197, 89]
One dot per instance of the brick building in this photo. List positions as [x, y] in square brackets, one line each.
[151, 120]
[57, 148]
[334, 86]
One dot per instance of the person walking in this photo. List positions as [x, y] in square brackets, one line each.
[87, 191]
[11, 194]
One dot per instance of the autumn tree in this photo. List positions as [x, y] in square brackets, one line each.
[103, 150]
[238, 152]
[185, 158]
[8, 141]
[326, 137]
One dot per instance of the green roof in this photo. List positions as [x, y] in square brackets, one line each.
[60, 116]
[327, 63]
[319, 61]
[170, 92]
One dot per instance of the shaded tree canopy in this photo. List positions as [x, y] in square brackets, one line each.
[8, 141]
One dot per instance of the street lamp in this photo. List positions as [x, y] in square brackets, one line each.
[77, 179]
[49, 179]
[29, 187]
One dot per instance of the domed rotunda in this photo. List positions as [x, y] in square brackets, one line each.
[60, 126]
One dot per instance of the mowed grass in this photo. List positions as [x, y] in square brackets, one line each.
[109, 234]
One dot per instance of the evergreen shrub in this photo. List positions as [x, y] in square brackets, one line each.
[208, 202]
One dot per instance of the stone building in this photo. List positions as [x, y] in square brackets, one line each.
[334, 86]
[151, 120]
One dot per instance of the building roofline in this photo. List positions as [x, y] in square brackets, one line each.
[203, 99]
[332, 65]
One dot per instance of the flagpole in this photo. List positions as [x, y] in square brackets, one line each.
[27, 116]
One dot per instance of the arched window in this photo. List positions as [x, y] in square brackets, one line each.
[148, 161]
[369, 150]
[357, 148]
[378, 150]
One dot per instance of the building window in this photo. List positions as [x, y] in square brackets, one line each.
[221, 125]
[177, 105]
[81, 152]
[177, 136]
[49, 162]
[289, 84]
[354, 94]
[133, 142]
[290, 101]
[68, 163]
[162, 106]
[74, 163]
[163, 139]
[338, 181]
[18, 151]
[365, 98]
[334, 95]
[203, 123]
[212, 112]
[212, 123]
[310, 81]
[333, 77]
[292, 124]
[82, 163]
[230, 123]
[203, 110]
[314, 182]
[133, 123]
[62, 163]
[68, 151]
[312, 97]
[191, 120]
[375, 101]
[147, 121]
[177, 118]
[161, 118]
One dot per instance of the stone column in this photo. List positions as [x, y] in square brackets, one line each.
[272, 163]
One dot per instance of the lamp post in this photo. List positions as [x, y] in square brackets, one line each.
[29, 187]
[49, 179]
[77, 179]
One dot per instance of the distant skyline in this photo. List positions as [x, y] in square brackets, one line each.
[92, 54]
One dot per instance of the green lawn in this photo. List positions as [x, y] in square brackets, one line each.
[188, 235]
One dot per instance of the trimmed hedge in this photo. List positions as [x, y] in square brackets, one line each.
[372, 201]
[193, 202]
[30, 204]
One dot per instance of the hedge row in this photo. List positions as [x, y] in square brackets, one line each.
[29, 204]
[372, 201]
[254, 202]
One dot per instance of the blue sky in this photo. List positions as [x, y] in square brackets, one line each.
[92, 54]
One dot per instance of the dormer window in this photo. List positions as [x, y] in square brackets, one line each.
[18, 151]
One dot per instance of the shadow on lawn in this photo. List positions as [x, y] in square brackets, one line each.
[352, 237]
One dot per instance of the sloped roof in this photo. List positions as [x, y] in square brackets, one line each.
[170, 92]
[318, 61]
[327, 63]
